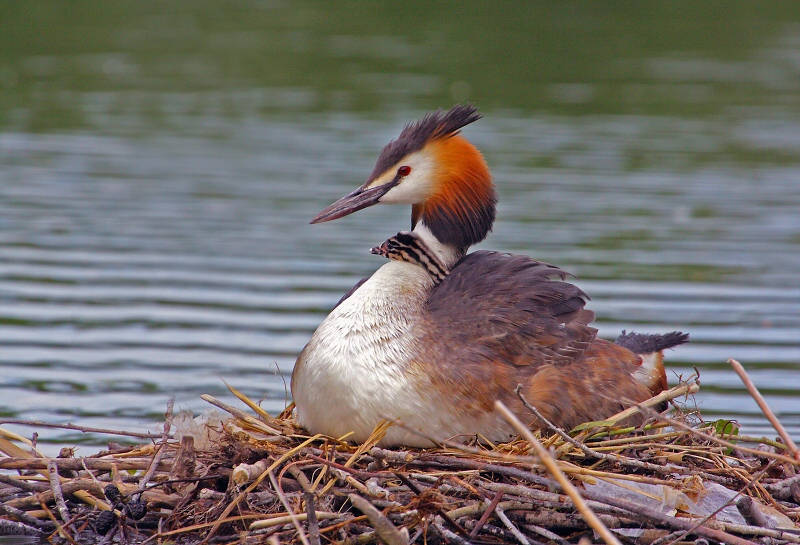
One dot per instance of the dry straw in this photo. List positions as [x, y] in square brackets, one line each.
[264, 481]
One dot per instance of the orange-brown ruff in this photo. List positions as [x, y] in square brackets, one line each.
[434, 351]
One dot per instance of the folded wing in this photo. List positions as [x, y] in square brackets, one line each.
[511, 309]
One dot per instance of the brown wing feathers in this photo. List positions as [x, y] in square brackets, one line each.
[509, 320]
[511, 308]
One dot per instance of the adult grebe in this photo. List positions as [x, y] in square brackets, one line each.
[435, 336]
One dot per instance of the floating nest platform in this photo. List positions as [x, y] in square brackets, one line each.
[246, 477]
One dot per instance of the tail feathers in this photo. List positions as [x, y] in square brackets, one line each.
[650, 349]
[641, 343]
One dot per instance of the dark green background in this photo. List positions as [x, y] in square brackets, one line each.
[374, 57]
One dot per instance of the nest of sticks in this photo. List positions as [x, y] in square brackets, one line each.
[254, 478]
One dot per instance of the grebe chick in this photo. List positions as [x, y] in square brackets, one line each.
[409, 247]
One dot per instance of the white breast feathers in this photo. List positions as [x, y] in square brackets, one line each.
[358, 366]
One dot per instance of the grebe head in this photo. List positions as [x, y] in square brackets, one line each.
[436, 170]
[409, 247]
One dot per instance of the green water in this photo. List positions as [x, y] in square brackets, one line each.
[236, 59]
[159, 164]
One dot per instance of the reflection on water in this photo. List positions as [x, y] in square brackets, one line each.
[193, 261]
[154, 202]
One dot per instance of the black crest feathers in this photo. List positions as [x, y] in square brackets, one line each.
[415, 135]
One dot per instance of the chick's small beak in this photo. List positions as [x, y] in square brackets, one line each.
[355, 201]
[383, 249]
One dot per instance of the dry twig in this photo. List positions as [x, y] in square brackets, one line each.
[554, 470]
[497, 492]
[762, 403]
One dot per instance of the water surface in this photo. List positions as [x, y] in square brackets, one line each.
[158, 172]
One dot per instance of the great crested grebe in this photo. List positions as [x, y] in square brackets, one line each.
[435, 336]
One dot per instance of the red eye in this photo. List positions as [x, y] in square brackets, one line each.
[404, 170]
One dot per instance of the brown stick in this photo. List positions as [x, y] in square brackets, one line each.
[680, 425]
[247, 473]
[84, 429]
[55, 485]
[777, 533]
[386, 531]
[25, 518]
[59, 527]
[275, 521]
[240, 414]
[10, 449]
[22, 484]
[416, 490]
[162, 449]
[751, 513]
[450, 536]
[666, 395]
[311, 514]
[569, 521]
[786, 483]
[77, 464]
[510, 525]
[232, 505]
[11, 528]
[486, 514]
[299, 476]
[762, 403]
[546, 533]
[292, 514]
[555, 471]
[72, 486]
[618, 459]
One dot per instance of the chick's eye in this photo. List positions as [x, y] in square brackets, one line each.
[404, 170]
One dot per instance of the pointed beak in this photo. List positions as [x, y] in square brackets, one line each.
[383, 249]
[355, 201]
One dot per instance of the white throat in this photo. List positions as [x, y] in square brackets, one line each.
[447, 255]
